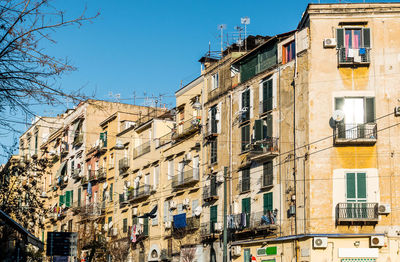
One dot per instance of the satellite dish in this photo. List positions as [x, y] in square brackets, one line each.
[338, 115]
[65, 179]
[105, 185]
[197, 211]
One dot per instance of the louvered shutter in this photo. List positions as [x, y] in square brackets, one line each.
[340, 37]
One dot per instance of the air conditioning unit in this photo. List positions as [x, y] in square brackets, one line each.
[114, 231]
[329, 42]
[397, 111]
[134, 211]
[186, 202]
[236, 251]
[320, 242]
[119, 144]
[384, 209]
[128, 124]
[218, 227]
[172, 204]
[168, 224]
[220, 177]
[377, 241]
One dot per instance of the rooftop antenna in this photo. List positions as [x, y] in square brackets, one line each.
[115, 97]
[245, 21]
[239, 42]
[221, 28]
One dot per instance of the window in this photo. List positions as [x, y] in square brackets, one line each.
[245, 185]
[268, 202]
[125, 225]
[103, 139]
[69, 225]
[111, 163]
[154, 221]
[353, 44]
[245, 116]
[359, 117]
[214, 81]
[268, 174]
[36, 142]
[166, 210]
[213, 151]
[288, 52]
[195, 204]
[79, 196]
[266, 103]
[196, 164]
[263, 128]
[111, 192]
[213, 217]
[246, 208]
[213, 121]
[356, 187]
[179, 208]
[245, 138]
[170, 169]
[147, 179]
[156, 177]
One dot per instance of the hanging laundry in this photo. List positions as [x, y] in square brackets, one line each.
[133, 234]
[362, 51]
[180, 221]
[350, 53]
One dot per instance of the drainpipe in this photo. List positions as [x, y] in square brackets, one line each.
[294, 152]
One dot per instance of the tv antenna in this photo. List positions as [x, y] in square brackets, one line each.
[221, 28]
[245, 21]
[115, 97]
[239, 42]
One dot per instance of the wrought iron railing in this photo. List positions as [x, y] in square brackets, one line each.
[78, 140]
[141, 150]
[266, 105]
[354, 56]
[188, 127]
[186, 177]
[139, 192]
[101, 173]
[163, 140]
[209, 228]
[353, 212]
[355, 133]
[265, 146]
[123, 164]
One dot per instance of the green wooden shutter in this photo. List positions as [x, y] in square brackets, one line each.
[369, 109]
[245, 136]
[258, 126]
[111, 192]
[146, 226]
[68, 198]
[246, 255]
[361, 186]
[246, 205]
[267, 95]
[79, 196]
[366, 37]
[61, 200]
[214, 214]
[351, 185]
[269, 125]
[340, 37]
[268, 202]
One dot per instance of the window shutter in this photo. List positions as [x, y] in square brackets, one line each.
[80, 197]
[269, 125]
[166, 207]
[111, 192]
[214, 214]
[72, 197]
[339, 103]
[340, 37]
[268, 202]
[366, 37]
[258, 126]
[369, 109]
[246, 206]
[251, 106]
[209, 120]
[361, 186]
[218, 117]
[351, 185]
[68, 198]
[61, 200]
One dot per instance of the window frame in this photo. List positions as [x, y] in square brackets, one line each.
[215, 81]
[286, 60]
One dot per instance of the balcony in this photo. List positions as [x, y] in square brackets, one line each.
[84, 181]
[266, 105]
[210, 193]
[192, 224]
[64, 149]
[163, 140]
[262, 222]
[141, 150]
[123, 164]
[76, 173]
[92, 209]
[357, 213]
[355, 134]
[185, 178]
[101, 173]
[187, 128]
[209, 230]
[123, 199]
[139, 193]
[350, 57]
[212, 129]
[264, 149]
[78, 140]
[102, 146]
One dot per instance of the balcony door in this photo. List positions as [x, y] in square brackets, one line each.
[356, 195]
[354, 115]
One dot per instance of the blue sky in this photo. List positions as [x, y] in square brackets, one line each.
[147, 48]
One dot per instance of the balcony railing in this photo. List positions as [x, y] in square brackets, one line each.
[101, 173]
[263, 149]
[78, 140]
[192, 223]
[92, 209]
[123, 164]
[84, 181]
[163, 140]
[347, 56]
[211, 129]
[355, 134]
[76, 173]
[266, 105]
[262, 220]
[138, 193]
[102, 146]
[141, 150]
[210, 192]
[92, 175]
[187, 128]
[64, 148]
[356, 212]
[185, 178]
[209, 229]
[123, 199]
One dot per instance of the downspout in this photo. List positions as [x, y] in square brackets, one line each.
[294, 151]
[230, 153]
